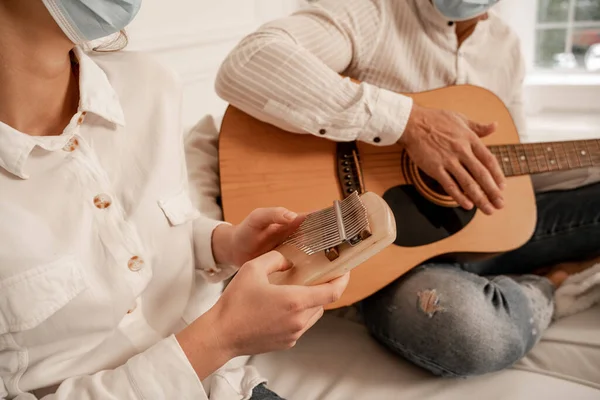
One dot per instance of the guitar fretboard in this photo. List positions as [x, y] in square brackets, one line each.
[535, 158]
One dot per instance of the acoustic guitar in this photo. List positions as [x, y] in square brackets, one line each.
[263, 166]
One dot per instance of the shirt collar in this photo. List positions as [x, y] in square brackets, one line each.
[96, 96]
[96, 93]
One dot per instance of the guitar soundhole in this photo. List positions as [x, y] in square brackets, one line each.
[432, 184]
[420, 222]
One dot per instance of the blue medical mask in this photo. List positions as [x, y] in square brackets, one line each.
[462, 10]
[86, 20]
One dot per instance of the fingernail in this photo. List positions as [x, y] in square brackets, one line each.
[499, 202]
[488, 209]
[290, 215]
[502, 186]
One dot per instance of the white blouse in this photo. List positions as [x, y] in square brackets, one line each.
[101, 243]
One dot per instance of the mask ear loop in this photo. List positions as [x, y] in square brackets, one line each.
[117, 43]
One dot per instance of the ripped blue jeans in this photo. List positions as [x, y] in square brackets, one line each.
[472, 319]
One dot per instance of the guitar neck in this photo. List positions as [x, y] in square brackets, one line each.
[535, 158]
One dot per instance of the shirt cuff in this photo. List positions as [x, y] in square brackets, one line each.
[388, 119]
[164, 372]
[205, 260]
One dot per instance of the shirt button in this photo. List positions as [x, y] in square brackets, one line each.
[213, 271]
[135, 263]
[322, 131]
[377, 139]
[81, 118]
[71, 145]
[102, 201]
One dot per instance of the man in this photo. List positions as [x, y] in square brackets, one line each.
[447, 318]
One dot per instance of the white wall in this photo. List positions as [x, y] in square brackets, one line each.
[194, 36]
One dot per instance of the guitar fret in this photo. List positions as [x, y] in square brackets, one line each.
[513, 163]
[540, 157]
[583, 153]
[531, 161]
[494, 152]
[551, 157]
[562, 159]
[521, 158]
[506, 161]
[513, 151]
[573, 156]
[594, 150]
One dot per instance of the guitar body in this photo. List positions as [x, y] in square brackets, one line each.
[263, 166]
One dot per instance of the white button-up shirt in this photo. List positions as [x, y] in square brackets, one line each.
[286, 73]
[101, 243]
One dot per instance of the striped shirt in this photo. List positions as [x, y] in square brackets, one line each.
[288, 72]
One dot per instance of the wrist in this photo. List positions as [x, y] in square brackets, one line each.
[203, 347]
[415, 120]
[222, 244]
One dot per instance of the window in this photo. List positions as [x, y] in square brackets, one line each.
[567, 35]
[562, 89]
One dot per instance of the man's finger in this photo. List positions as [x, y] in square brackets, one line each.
[453, 190]
[482, 130]
[490, 162]
[484, 179]
[471, 188]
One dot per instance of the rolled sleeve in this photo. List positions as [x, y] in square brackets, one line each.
[389, 117]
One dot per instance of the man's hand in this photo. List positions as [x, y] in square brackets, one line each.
[261, 231]
[447, 147]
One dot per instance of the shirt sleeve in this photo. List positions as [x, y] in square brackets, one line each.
[161, 372]
[201, 153]
[287, 74]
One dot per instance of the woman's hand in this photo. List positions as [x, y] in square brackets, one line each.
[262, 231]
[254, 316]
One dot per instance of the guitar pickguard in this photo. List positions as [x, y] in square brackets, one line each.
[419, 221]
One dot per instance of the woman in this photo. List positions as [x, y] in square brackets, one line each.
[98, 297]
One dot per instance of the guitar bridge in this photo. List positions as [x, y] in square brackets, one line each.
[349, 169]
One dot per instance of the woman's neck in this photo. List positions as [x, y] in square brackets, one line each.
[38, 91]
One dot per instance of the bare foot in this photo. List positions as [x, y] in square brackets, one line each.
[560, 272]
